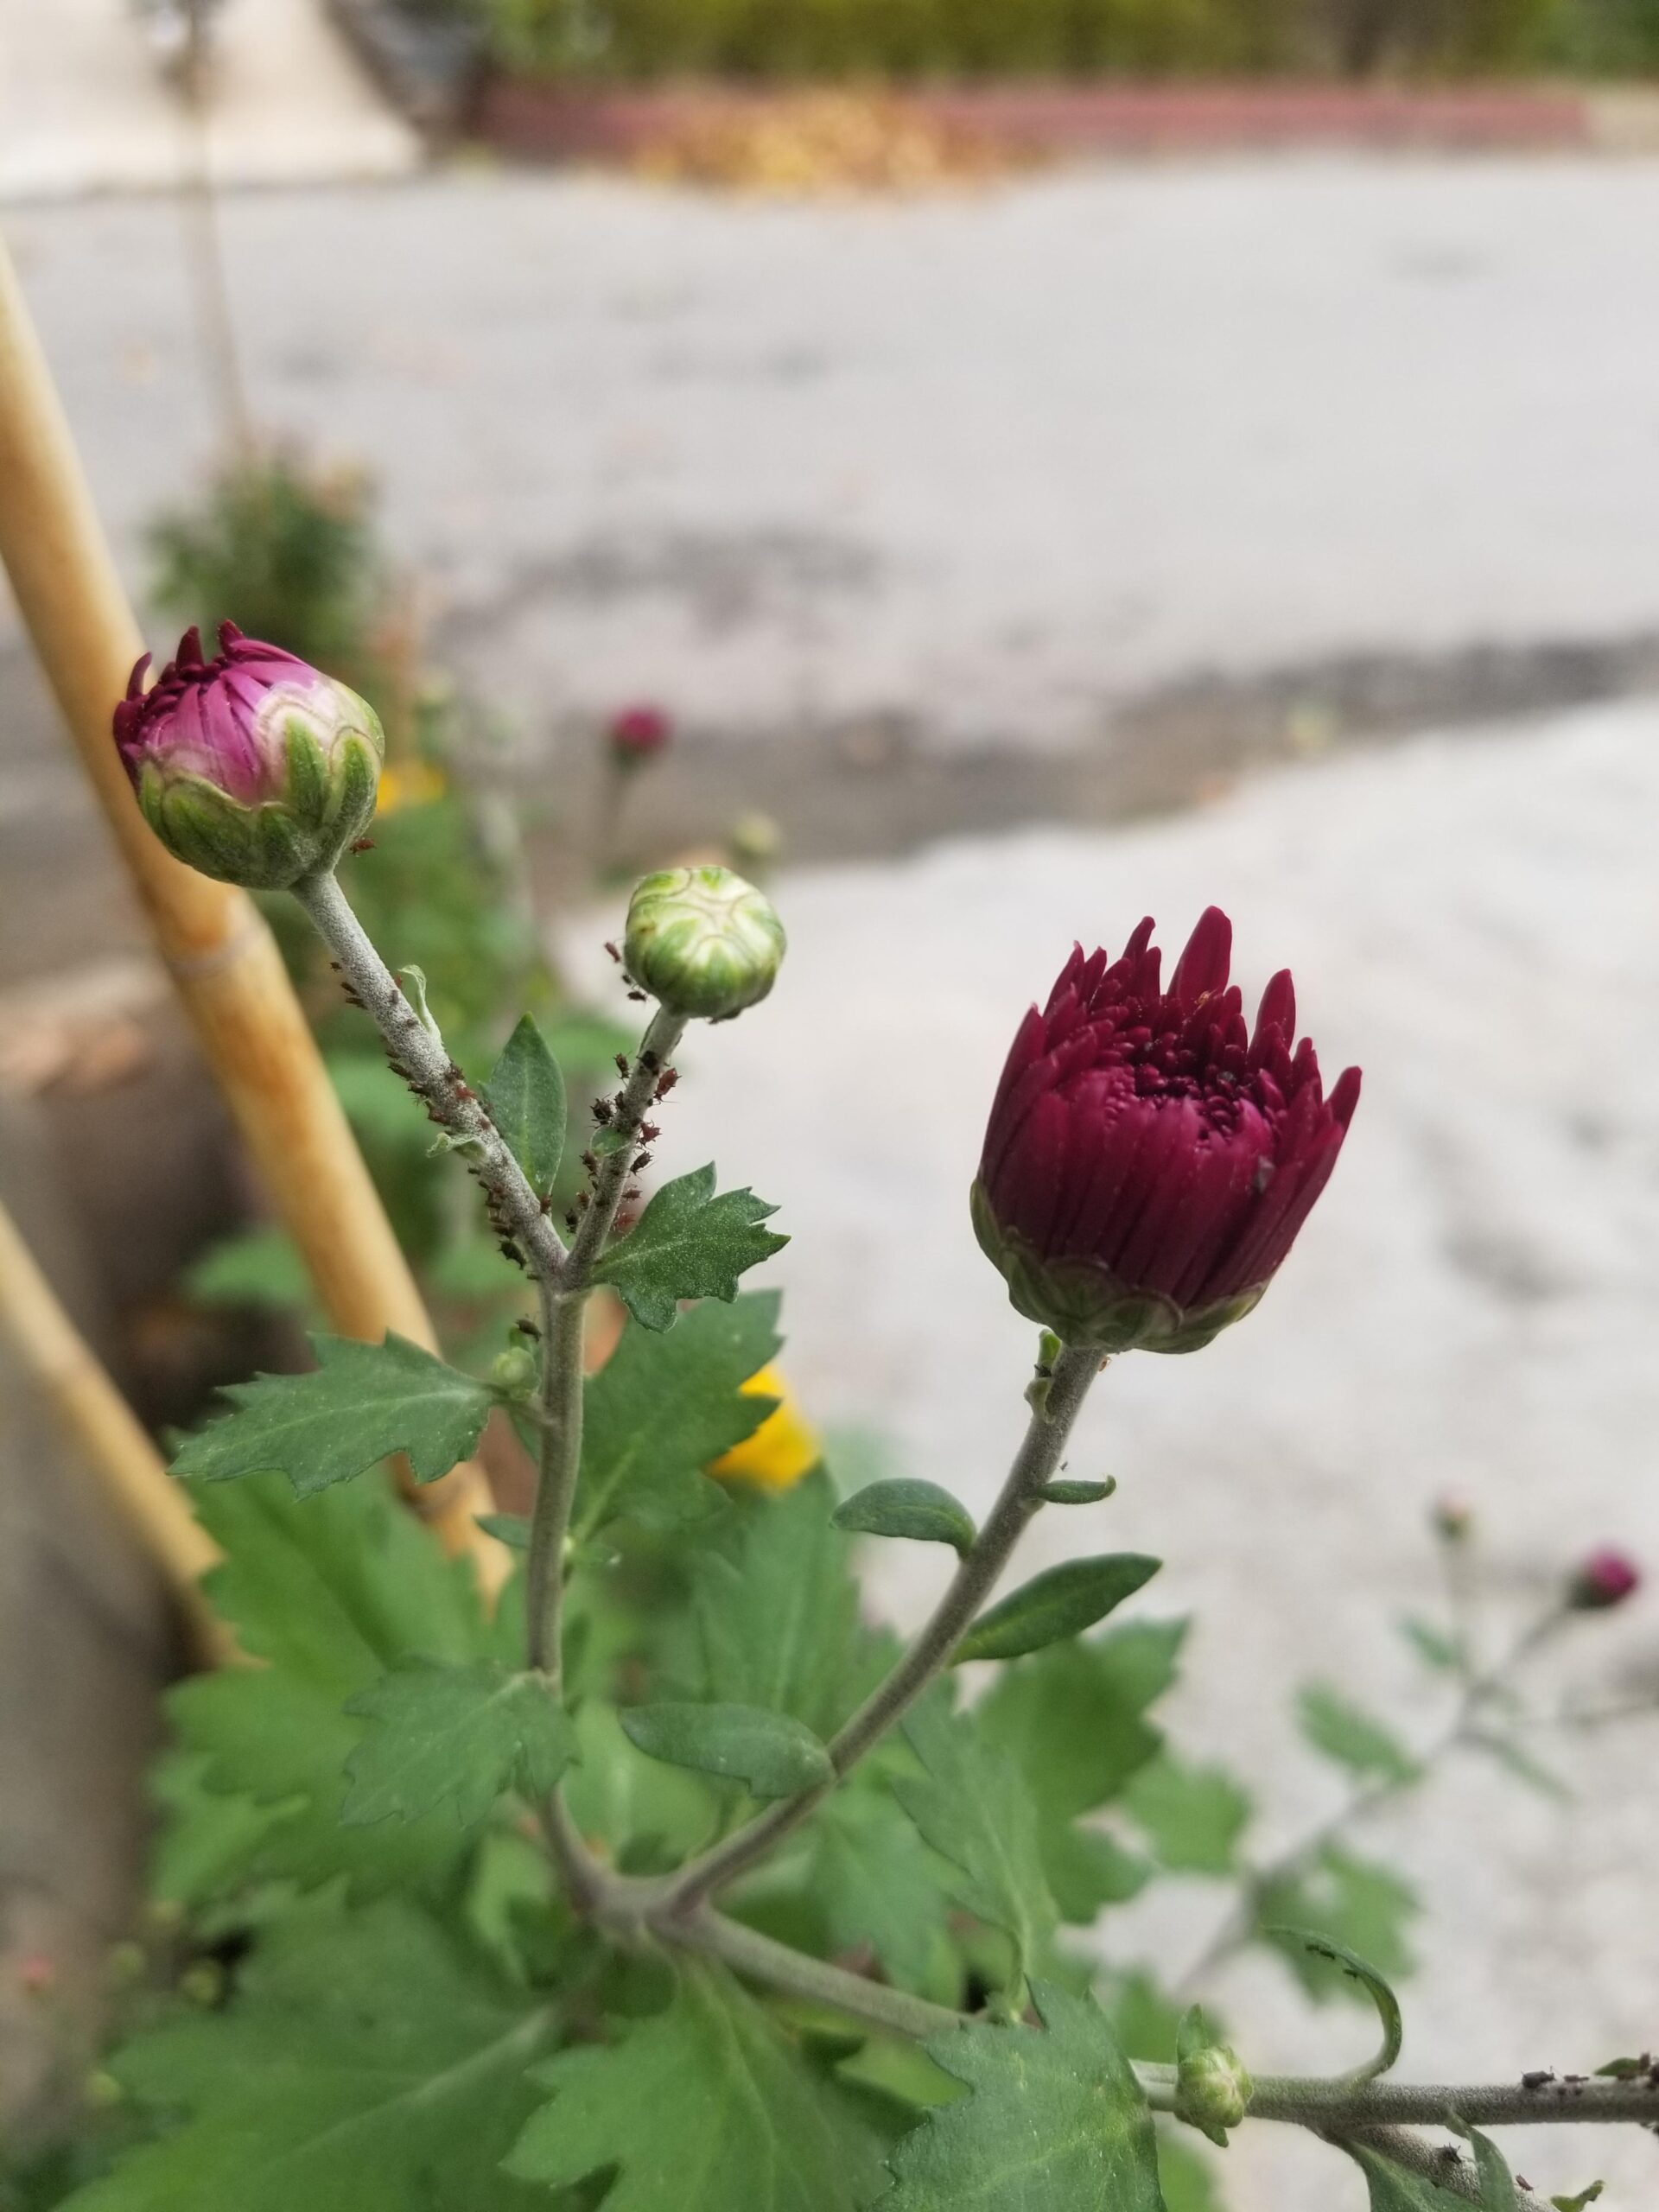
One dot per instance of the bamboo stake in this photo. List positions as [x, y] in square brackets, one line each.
[58, 1360]
[222, 957]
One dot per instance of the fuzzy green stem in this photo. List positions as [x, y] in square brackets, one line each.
[417, 1054]
[656, 1048]
[977, 1575]
[1350, 2107]
[559, 1463]
[794, 1973]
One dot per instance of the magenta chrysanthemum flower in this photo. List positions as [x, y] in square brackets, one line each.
[1606, 1578]
[638, 733]
[1150, 1158]
[253, 766]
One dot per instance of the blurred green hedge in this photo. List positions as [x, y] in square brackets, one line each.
[633, 40]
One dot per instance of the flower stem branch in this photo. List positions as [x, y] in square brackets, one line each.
[976, 1576]
[560, 1463]
[794, 1973]
[417, 1054]
[663, 1034]
[1477, 1691]
[1349, 2107]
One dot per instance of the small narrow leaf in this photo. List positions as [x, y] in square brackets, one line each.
[1624, 2069]
[1586, 2197]
[525, 1098]
[1064, 1493]
[771, 1754]
[1355, 1902]
[1497, 2187]
[1433, 1645]
[1359, 1970]
[1516, 1759]
[1063, 1602]
[512, 1530]
[688, 1243]
[1345, 1732]
[1055, 2122]
[459, 1735]
[362, 1403]
[919, 1510]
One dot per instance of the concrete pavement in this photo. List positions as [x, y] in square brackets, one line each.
[84, 107]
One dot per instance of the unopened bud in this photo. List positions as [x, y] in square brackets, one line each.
[253, 767]
[638, 734]
[513, 1371]
[755, 841]
[1453, 1519]
[1212, 2090]
[1607, 1578]
[702, 942]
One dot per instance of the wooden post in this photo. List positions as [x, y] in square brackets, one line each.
[221, 955]
[58, 1360]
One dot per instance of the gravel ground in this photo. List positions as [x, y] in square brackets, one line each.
[1471, 1309]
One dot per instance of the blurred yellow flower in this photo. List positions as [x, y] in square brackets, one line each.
[781, 1450]
[410, 783]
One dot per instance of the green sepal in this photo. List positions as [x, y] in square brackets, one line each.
[1084, 1304]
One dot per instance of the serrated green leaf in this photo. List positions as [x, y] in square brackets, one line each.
[777, 1613]
[1062, 1602]
[1071, 1719]
[525, 1098]
[1361, 1971]
[365, 2064]
[879, 1886]
[771, 1755]
[1056, 2121]
[663, 1407]
[453, 1735]
[362, 1403]
[688, 1243]
[262, 1267]
[1363, 1906]
[332, 1595]
[918, 1510]
[1194, 1816]
[969, 1806]
[1343, 1732]
[1068, 1493]
[706, 2108]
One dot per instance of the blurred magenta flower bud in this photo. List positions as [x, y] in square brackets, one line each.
[702, 941]
[1606, 1578]
[252, 767]
[1149, 1159]
[1453, 1519]
[637, 734]
[37, 1975]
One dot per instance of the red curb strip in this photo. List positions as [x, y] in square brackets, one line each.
[560, 122]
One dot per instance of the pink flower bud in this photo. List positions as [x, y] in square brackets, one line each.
[37, 1975]
[637, 734]
[1606, 1578]
[252, 767]
[1149, 1158]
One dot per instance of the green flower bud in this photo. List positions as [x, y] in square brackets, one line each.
[702, 942]
[253, 767]
[1212, 2090]
[513, 1372]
